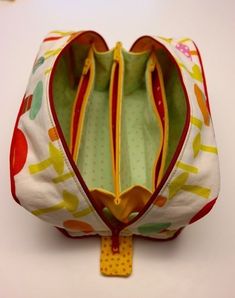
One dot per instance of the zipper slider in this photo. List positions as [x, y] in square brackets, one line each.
[115, 241]
[153, 62]
[88, 61]
[117, 200]
[117, 52]
[86, 66]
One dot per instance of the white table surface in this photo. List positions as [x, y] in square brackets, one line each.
[37, 261]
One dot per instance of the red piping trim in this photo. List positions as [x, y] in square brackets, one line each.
[114, 109]
[204, 211]
[52, 38]
[78, 108]
[158, 95]
[157, 168]
[160, 108]
[72, 163]
[163, 240]
[65, 233]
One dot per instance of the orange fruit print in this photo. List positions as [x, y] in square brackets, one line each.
[78, 225]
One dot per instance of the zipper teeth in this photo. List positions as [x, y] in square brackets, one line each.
[80, 103]
[116, 115]
[155, 98]
[77, 111]
[115, 242]
[162, 111]
[117, 133]
[114, 111]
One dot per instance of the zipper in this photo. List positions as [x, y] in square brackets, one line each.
[80, 102]
[116, 111]
[115, 241]
[158, 92]
[116, 93]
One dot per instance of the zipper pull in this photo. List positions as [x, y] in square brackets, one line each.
[86, 66]
[153, 62]
[117, 58]
[88, 61]
[117, 200]
[115, 241]
[114, 263]
[117, 52]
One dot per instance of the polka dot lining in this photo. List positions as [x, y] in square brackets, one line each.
[94, 159]
[116, 264]
[139, 140]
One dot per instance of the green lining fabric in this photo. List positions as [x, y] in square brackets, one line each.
[176, 103]
[63, 97]
[63, 92]
[140, 130]
[94, 159]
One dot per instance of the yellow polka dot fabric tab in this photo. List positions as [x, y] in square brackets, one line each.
[116, 264]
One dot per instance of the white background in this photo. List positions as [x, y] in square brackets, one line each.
[35, 259]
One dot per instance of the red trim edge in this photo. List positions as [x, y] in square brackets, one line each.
[52, 38]
[65, 233]
[204, 211]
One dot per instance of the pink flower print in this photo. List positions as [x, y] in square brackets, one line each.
[184, 49]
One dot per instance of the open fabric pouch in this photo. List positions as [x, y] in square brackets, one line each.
[115, 143]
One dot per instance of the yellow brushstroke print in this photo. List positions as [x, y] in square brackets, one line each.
[177, 184]
[62, 33]
[187, 167]
[197, 122]
[184, 40]
[51, 53]
[169, 40]
[55, 159]
[48, 70]
[83, 212]
[197, 190]
[69, 203]
[63, 177]
[197, 146]
[195, 73]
